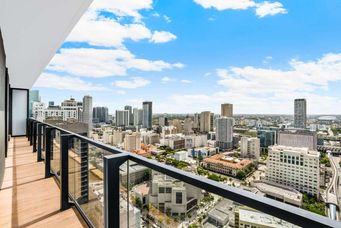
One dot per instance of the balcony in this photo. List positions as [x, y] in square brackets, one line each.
[56, 178]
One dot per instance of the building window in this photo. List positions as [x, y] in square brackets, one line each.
[178, 198]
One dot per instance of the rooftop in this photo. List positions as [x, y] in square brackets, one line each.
[228, 161]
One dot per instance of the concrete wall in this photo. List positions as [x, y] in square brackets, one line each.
[2, 109]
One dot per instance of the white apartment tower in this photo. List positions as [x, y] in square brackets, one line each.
[295, 167]
[300, 117]
[250, 147]
[224, 132]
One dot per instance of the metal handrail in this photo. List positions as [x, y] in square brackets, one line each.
[269, 206]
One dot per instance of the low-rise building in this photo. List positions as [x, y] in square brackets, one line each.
[223, 164]
[181, 155]
[248, 217]
[280, 192]
[203, 152]
[173, 196]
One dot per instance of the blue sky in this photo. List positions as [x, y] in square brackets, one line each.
[192, 55]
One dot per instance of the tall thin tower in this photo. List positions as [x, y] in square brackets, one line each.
[147, 114]
[300, 116]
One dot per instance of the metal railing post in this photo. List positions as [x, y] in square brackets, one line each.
[40, 126]
[35, 126]
[48, 143]
[31, 132]
[112, 189]
[64, 175]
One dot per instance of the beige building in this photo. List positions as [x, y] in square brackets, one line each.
[221, 163]
[298, 138]
[294, 167]
[250, 147]
[132, 142]
[206, 121]
[227, 110]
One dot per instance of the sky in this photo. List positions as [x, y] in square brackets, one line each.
[190, 56]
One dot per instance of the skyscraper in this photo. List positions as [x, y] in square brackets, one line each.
[131, 117]
[87, 109]
[100, 114]
[206, 121]
[87, 112]
[300, 117]
[224, 132]
[227, 110]
[138, 116]
[147, 114]
[122, 118]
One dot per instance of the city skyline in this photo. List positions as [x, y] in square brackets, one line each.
[125, 54]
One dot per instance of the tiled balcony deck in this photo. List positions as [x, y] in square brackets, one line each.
[26, 198]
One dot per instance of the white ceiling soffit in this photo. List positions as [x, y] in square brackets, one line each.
[32, 31]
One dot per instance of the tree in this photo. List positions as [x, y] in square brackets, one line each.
[241, 175]
[138, 202]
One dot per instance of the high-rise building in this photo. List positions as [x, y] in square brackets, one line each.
[295, 167]
[224, 132]
[196, 122]
[206, 121]
[131, 116]
[138, 116]
[267, 137]
[100, 115]
[300, 117]
[250, 147]
[87, 112]
[33, 97]
[122, 118]
[163, 121]
[227, 110]
[188, 126]
[147, 114]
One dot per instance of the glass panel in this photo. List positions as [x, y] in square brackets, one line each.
[158, 200]
[55, 153]
[43, 132]
[86, 179]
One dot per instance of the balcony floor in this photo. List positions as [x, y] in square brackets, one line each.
[27, 199]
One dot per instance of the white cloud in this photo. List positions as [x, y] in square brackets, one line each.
[167, 79]
[186, 81]
[302, 77]
[272, 91]
[226, 4]
[47, 80]
[91, 62]
[269, 9]
[122, 92]
[167, 19]
[262, 9]
[136, 82]
[107, 32]
[162, 37]
[123, 7]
